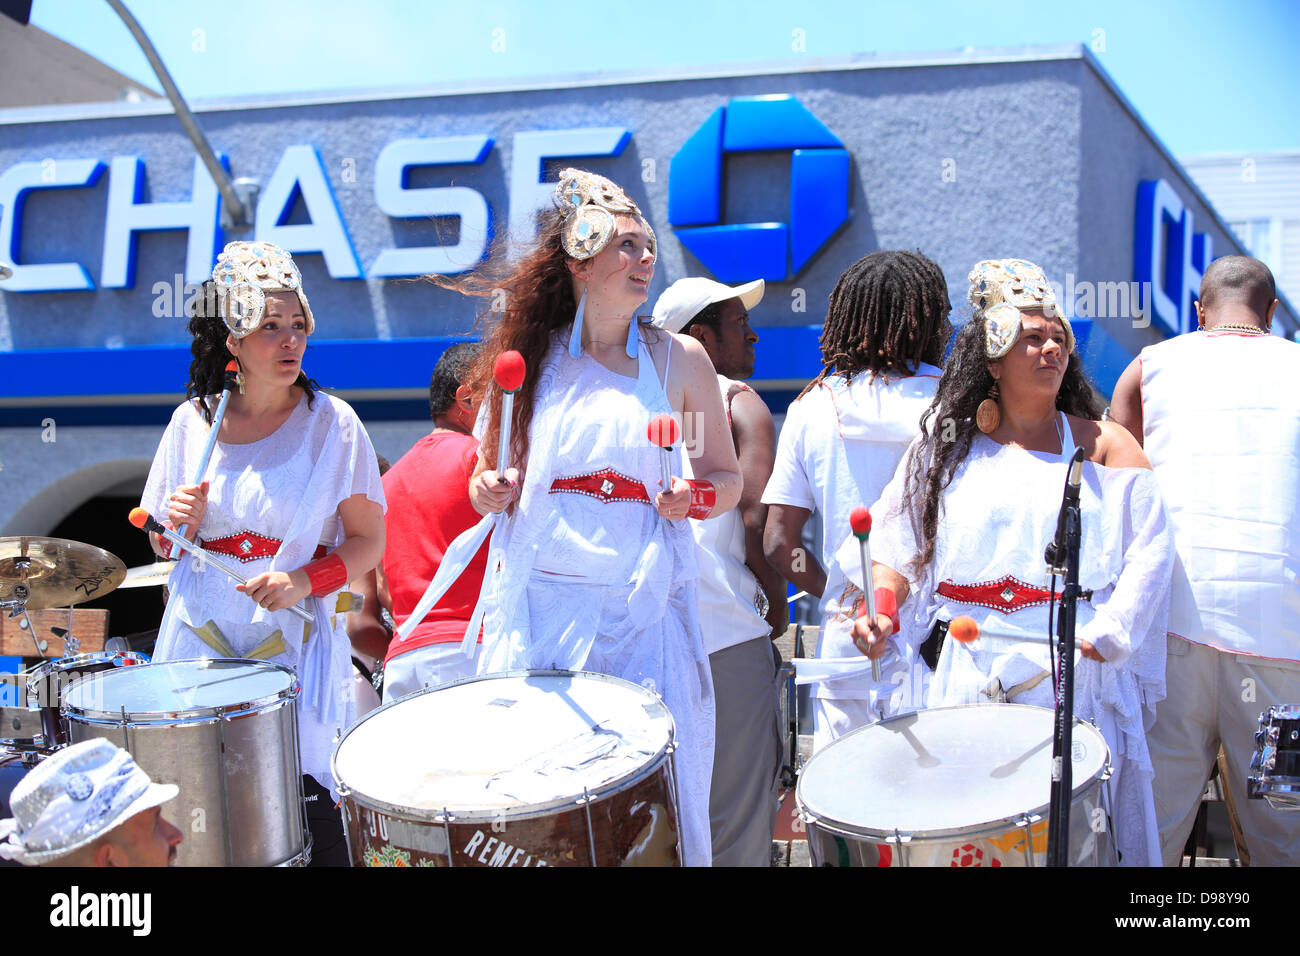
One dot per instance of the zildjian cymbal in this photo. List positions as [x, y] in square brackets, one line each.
[55, 572]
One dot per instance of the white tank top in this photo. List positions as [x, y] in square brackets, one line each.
[1221, 425]
[728, 588]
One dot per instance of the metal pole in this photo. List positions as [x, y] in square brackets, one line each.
[235, 208]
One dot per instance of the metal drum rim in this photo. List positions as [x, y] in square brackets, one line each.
[843, 828]
[1281, 712]
[528, 811]
[237, 709]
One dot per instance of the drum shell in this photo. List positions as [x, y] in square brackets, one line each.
[238, 770]
[1091, 843]
[632, 827]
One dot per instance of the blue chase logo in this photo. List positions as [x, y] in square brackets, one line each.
[819, 189]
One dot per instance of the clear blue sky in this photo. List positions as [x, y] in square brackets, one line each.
[1207, 75]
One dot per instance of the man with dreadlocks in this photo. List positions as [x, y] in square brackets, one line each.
[881, 345]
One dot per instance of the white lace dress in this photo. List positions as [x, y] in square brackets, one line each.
[288, 486]
[605, 586]
[999, 512]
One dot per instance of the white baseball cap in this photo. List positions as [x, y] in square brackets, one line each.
[686, 298]
[73, 798]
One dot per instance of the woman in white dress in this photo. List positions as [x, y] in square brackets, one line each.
[961, 528]
[291, 496]
[598, 569]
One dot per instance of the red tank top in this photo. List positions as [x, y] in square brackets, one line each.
[428, 506]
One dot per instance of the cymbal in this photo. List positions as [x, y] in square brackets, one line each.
[56, 572]
[148, 575]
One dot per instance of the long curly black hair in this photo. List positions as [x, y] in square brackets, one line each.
[948, 428]
[208, 346]
[888, 312]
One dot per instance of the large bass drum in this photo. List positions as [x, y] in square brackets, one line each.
[953, 786]
[524, 768]
[226, 733]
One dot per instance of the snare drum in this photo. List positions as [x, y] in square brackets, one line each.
[524, 768]
[226, 733]
[48, 683]
[954, 786]
[1275, 766]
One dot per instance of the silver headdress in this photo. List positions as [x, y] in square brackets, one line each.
[1000, 289]
[244, 273]
[590, 204]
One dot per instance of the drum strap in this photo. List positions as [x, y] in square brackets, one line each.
[273, 646]
[269, 648]
[211, 635]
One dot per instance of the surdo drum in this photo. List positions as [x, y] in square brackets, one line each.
[524, 768]
[226, 733]
[953, 786]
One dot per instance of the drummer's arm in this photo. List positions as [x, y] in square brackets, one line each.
[366, 630]
[712, 450]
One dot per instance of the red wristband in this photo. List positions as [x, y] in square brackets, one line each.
[886, 604]
[703, 496]
[326, 575]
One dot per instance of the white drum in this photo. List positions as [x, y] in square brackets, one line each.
[954, 786]
[525, 768]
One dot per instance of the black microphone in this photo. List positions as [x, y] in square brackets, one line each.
[1054, 553]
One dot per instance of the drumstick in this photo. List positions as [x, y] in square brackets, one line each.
[232, 370]
[146, 522]
[662, 431]
[860, 522]
[964, 630]
[508, 372]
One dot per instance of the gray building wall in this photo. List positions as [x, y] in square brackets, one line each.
[1025, 153]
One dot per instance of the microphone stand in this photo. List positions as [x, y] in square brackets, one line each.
[1063, 554]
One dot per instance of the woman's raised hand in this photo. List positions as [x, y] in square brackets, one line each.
[187, 506]
[491, 493]
[676, 503]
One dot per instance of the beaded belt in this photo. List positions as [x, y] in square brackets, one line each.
[605, 485]
[1007, 594]
[250, 546]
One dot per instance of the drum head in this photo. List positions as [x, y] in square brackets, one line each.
[503, 745]
[944, 772]
[192, 688]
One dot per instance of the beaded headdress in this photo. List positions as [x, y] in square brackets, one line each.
[590, 204]
[1000, 289]
[244, 273]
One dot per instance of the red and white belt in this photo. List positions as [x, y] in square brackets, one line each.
[1007, 594]
[605, 486]
[250, 546]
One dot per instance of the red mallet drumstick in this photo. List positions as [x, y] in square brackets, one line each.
[145, 522]
[860, 522]
[508, 372]
[964, 630]
[663, 431]
[228, 385]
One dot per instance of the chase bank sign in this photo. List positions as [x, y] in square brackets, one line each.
[819, 189]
